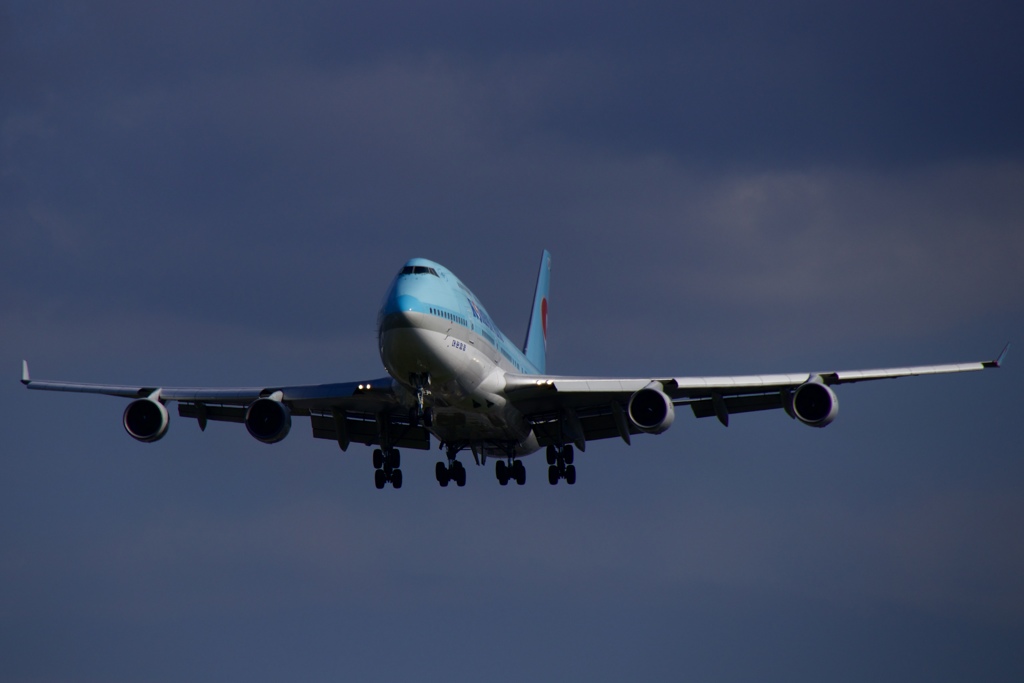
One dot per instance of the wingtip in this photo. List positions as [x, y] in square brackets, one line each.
[998, 362]
[24, 372]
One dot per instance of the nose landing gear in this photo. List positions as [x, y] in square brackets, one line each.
[420, 412]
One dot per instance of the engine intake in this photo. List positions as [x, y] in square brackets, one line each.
[651, 410]
[146, 420]
[268, 420]
[815, 404]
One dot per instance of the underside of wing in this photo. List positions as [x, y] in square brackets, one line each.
[579, 409]
[367, 412]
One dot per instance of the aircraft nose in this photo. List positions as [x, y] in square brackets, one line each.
[405, 303]
[399, 303]
[397, 309]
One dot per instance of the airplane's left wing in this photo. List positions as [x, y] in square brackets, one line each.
[580, 409]
[363, 412]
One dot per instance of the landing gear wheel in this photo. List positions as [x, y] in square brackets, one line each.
[394, 459]
[378, 459]
[396, 479]
[519, 472]
[501, 471]
[553, 474]
[379, 478]
[552, 455]
[441, 474]
[460, 473]
[570, 475]
[567, 455]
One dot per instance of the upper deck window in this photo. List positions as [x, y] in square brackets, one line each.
[419, 270]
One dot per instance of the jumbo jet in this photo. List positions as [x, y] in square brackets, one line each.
[454, 376]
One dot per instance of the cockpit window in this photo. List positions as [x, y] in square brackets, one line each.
[419, 270]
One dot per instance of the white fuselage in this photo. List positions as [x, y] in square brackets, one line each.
[466, 381]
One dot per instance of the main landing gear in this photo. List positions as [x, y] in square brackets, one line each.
[386, 463]
[453, 471]
[513, 470]
[560, 465]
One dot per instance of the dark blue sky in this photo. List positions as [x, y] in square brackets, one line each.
[220, 195]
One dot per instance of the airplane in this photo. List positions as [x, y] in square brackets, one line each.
[454, 376]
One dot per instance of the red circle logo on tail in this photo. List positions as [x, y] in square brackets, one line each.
[544, 317]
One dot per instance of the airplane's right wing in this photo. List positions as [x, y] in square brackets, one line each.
[580, 409]
[346, 412]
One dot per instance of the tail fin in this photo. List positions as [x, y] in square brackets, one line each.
[536, 346]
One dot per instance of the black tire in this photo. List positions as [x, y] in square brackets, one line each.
[520, 472]
[396, 479]
[441, 474]
[378, 459]
[501, 471]
[553, 474]
[570, 475]
[379, 478]
[567, 455]
[460, 476]
[394, 459]
[552, 454]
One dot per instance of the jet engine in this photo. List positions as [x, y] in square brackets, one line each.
[268, 420]
[814, 404]
[651, 410]
[146, 419]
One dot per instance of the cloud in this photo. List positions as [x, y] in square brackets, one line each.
[244, 179]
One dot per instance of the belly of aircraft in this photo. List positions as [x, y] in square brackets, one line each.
[463, 390]
[447, 359]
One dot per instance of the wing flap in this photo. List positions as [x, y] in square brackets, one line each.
[738, 404]
[367, 432]
[202, 411]
[595, 426]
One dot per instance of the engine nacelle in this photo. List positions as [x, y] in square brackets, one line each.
[146, 419]
[815, 404]
[651, 410]
[268, 420]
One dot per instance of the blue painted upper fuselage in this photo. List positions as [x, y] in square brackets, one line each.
[426, 295]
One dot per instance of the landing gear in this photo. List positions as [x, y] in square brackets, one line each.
[453, 471]
[421, 413]
[423, 417]
[386, 463]
[560, 465]
[513, 470]
[456, 472]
